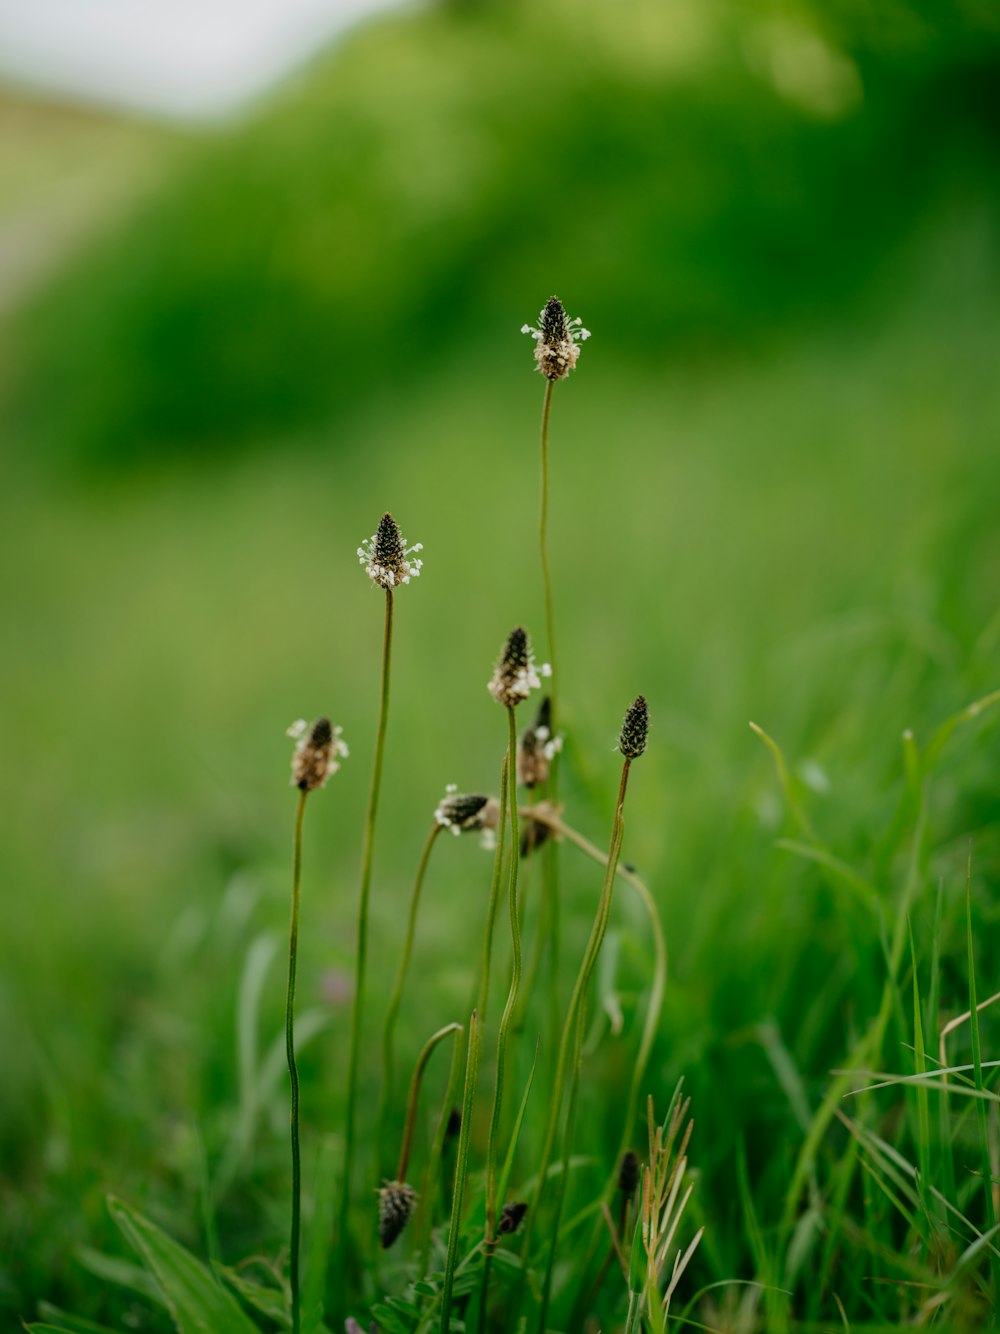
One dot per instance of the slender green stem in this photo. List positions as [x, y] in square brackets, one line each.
[569, 1027]
[411, 1105]
[632, 1322]
[392, 1012]
[543, 541]
[505, 1019]
[430, 1182]
[357, 1008]
[461, 1171]
[293, 1073]
[653, 1011]
[604, 912]
[494, 899]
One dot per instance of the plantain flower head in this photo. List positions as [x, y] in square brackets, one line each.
[386, 557]
[556, 345]
[466, 812]
[318, 753]
[515, 675]
[635, 729]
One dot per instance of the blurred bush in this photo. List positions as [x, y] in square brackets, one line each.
[692, 171]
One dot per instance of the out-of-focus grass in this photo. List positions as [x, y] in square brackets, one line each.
[806, 538]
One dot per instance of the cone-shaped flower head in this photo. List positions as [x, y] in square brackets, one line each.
[511, 1217]
[465, 812]
[318, 753]
[537, 747]
[556, 347]
[395, 1204]
[635, 729]
[386, 557]
[515, 675]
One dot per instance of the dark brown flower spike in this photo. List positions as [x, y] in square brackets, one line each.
[386, 557]
[556, 348]
[511, 1217]
[515, 675]
[395, 1204]
[317, 755]
[635, 729]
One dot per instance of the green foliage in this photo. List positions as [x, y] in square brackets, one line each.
[696, 180]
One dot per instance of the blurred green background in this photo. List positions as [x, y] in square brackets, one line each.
[227, 349]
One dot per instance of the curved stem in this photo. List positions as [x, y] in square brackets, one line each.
[658, 989]
[434, 1161]
[569, 1026]
[411, 1106]
[653, 1011]
[293, 1073]
[461, 1172]
[357, 1008]
[392, 1012]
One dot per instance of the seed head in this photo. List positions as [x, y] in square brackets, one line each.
[454, 1126]
[635, 729]
[317, 754]
[465, 813]
[515, 675]
[386, 557]
[556, 349]
[511, 1217]
[537, 747]
[628, 1173]
[395, 1204]
[535, 831]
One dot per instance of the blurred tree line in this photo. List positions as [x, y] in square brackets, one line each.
[689, 173]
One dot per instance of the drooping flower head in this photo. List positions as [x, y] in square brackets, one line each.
[635, 729]
[515, 675]
[318, 753]
[386, 557]
[556, 346]
[395, 1204]
[537, 747]
[466, 812]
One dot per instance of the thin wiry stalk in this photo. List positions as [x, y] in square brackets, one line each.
[392, 1013]
[569, 1038]
[429, 1190]
[508, 1011]
[653, 1011]
[411, 1105]
[491, 909]
[552, 783]
[543, 541]
[357, 1008]
[293, 1073]
[461, 1171]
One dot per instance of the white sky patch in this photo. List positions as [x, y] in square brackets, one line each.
[183, 58]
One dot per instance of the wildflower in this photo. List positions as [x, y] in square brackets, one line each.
[395, 1204]
[515, 675]
[464, 813]
[318, 753]
[385, 555]
[511, 1217]
[556, 349]
[635, 728]
[537, 747]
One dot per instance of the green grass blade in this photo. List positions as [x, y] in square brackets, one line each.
[197, 1303]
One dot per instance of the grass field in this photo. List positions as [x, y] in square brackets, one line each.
[801, 533]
